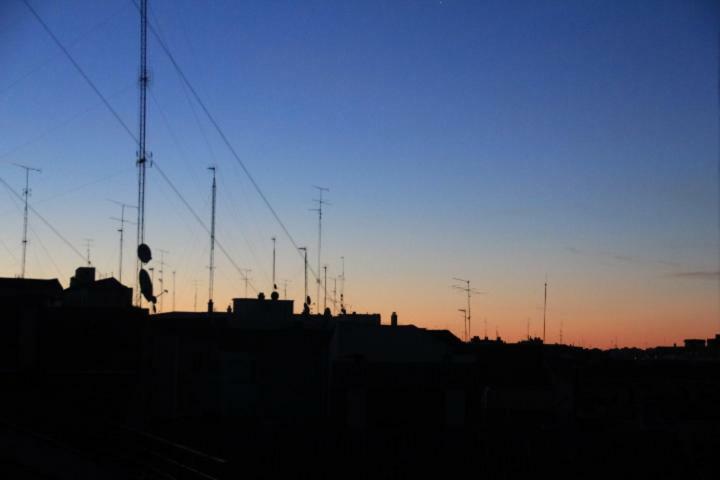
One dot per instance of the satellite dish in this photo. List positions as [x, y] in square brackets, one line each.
[144, 253]
[146, 286]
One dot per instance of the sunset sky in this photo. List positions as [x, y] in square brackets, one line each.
[501, 142]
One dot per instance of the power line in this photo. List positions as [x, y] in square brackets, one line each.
[42, 219]
[224, 138]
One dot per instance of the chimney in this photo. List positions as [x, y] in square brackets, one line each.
[393, 320]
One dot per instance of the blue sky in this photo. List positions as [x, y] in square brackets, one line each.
[497, 141]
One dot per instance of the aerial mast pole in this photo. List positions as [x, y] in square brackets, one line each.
[304, 249]
[122, 232]
[141, 160]
[320, 203]
[26, 194]
[273, 279]
[212, 244]
[544, 309]
[161, 279]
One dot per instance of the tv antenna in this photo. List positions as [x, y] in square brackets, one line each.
[545, 309]
[469, 291]
[26, 194]
[285, 284]
[274, 285]
[464, 312]
[88, 244]
[342, 283]
[304, 250]
[244, 272]
[211, 282]
[121, 230]
[161, 278]
[325, 286]
[174, 291]
[320, 203]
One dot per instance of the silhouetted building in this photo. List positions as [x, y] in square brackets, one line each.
[85, 291]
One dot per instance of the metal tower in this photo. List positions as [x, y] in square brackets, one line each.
[141, 154]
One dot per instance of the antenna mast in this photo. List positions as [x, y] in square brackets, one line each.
[161, 279]
[274, 286]
[88, 243]
[468, 291]
[26, 194]
[122, 232]
[325, 293]
[320, 203]
[342, 284]
[544, 309]
[212, 244]
[304, 249]
[141, 160]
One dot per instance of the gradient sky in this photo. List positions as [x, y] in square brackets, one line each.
[495, 141]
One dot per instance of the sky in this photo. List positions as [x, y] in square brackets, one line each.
[509, 143]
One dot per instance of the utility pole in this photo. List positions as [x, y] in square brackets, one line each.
[26, 194]
[304, 250]
[274, 285]
[212, 245]
[122, 232]
[320, 203]
[162, 276]
[174, 291]
[468, 291]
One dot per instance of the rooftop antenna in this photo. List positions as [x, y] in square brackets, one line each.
[342, 284]
[334, 296]
[274, 285]
[161, 271]
[320, 203]
[464, 312]
[174, 291]
[244, 272]
[141, 160]
[468, 291]
[304, 250]
[285, 284]
[122, 221]
[26, 194]
[545, 308]
[195, 284]
[211, 282]
[325, 286]
[561, 332]
[528, 328]
[88, 243]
